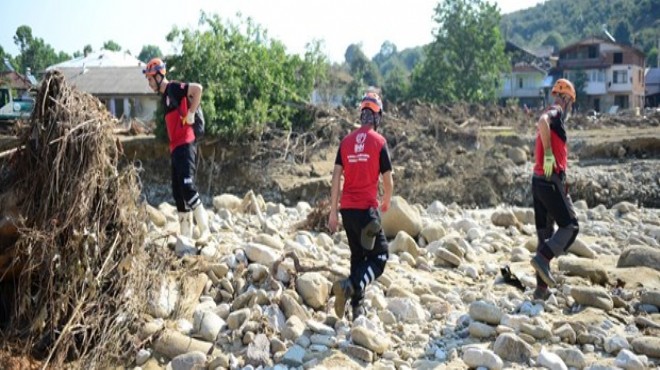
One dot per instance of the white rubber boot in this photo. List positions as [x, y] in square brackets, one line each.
[202, 223]
[185, 224]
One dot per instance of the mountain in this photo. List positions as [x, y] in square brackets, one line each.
[561, 22]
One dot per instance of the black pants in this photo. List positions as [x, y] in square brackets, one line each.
[366, 266]
[553, 204]
[183, 177]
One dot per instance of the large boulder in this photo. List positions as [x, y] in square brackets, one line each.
[401, 217]
[638, 255]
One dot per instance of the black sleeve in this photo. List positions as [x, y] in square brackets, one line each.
[385, 162]
[338, 159]
[178, 90]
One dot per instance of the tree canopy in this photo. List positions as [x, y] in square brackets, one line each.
[466, 59]
[249, 79]
[148, 52]
[34, 52]
[111, 45]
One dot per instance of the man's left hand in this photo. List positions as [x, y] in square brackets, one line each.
[189, 119]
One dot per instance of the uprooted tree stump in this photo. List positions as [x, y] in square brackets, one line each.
[72, 249]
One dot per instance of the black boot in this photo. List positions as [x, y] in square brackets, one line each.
[358, 309]
[541, 264]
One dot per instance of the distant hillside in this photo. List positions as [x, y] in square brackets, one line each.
[561, 22]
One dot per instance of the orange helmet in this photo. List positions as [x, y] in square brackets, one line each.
[564, 86]
[154, 67]
[372, 101]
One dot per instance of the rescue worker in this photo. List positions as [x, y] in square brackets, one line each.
[180, 102]
[552, 204]
[361, 158]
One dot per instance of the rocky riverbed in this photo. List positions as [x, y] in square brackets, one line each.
[240, 301]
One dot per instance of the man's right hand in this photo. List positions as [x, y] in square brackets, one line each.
[332, 221]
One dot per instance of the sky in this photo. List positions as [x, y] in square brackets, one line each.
[69, 25]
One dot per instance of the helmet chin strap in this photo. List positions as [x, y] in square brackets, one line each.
[158, 83]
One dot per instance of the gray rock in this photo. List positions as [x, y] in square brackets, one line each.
[517, 155]
[358, 352]
[640, 256]
[616, 343]
[294, 328]
[480, 330]
[370, 340]
[566, 333]
[629, 361]
[294, 356]
[401, 217]
[320, 328]
[651, 297]
[189, 361]
[550, 360]
[485, 312]
[479, 357]
[504, 218]
[580, 248]
[314, 289]
[291, 307]
[404, 243]
[237, 318]
[572, 357]
[594, 297]
[647, 345]
[586, 268]
[511, 348]
[537, 331]
[258, 352]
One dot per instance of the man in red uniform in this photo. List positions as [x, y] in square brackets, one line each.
[551, 201]
[180, 101]
[362, 157]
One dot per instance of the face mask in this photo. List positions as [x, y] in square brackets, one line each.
[368, 116]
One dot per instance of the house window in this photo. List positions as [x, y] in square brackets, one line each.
[601, 75]
[593, 51]
[621, 101]
[618, 58]
[620, 77]
[520, 82]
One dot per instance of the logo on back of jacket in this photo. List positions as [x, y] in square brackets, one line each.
[359, 142]
[358, 155]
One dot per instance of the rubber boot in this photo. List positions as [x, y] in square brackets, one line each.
[202, 220]
[185, 224]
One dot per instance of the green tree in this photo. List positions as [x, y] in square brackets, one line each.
[35, 53]
[148, 52]
[652, 58]
[622, 32]
[111, 45]
[466, 60]
[87, 49]
[364, 72]
[555, 40]
[249, 79]
[397, 85]
[580, 83]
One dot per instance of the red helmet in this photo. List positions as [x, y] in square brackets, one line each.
[154, 67]
[372, 101]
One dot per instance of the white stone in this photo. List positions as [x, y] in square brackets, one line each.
[551, 360]
[314, 289]
[261, 254]
[479, 357]
[628, 360]
[407, 310]
[207, 325]
[616, 343]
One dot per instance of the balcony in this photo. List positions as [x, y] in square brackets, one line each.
[582, 63]
[595, 88]
[619, 87]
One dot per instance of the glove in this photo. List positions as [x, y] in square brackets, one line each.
[189, 119]
[548, 164]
